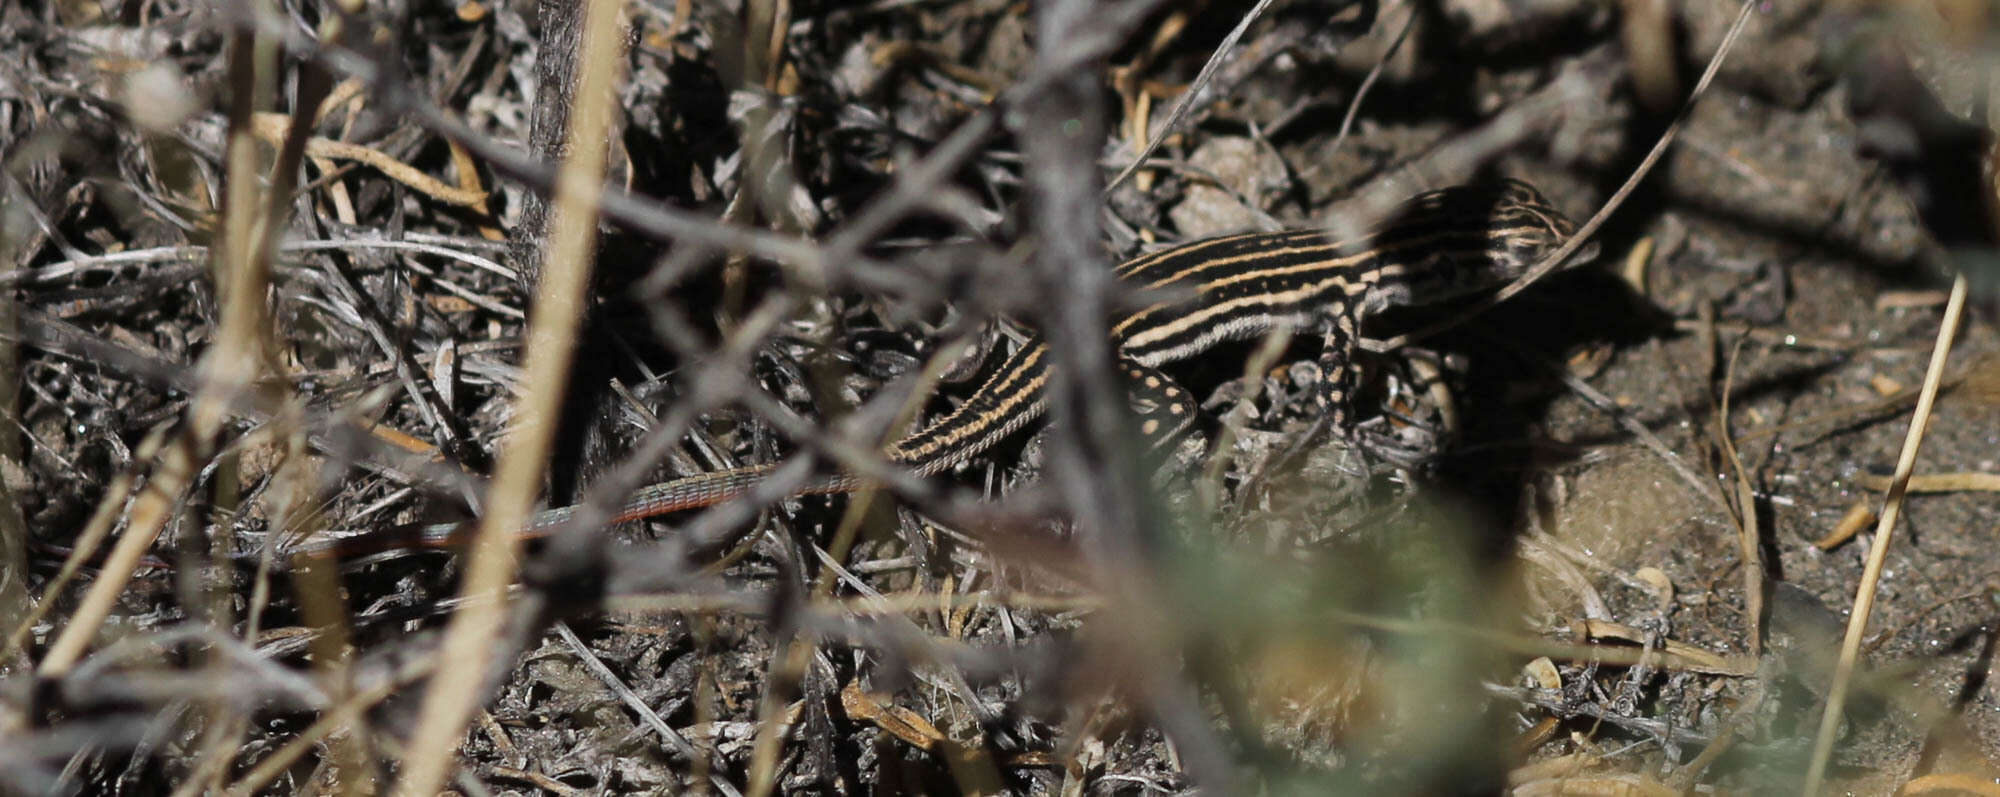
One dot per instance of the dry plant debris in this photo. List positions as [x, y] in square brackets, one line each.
[280, 274]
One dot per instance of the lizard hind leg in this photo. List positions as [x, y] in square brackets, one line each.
[1165, 410]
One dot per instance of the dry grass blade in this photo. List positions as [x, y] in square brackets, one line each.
[1953, 783]
[1935, 482]
[336, 721]
[94, 531]
[1878, 552]
[625, 695]
[16, 604]
[244, 265]
[559, 308]
[1749, 537]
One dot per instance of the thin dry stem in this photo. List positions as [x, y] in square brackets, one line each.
[245, 261]
[1885, 529]
[552, 330]
[1748, 535]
